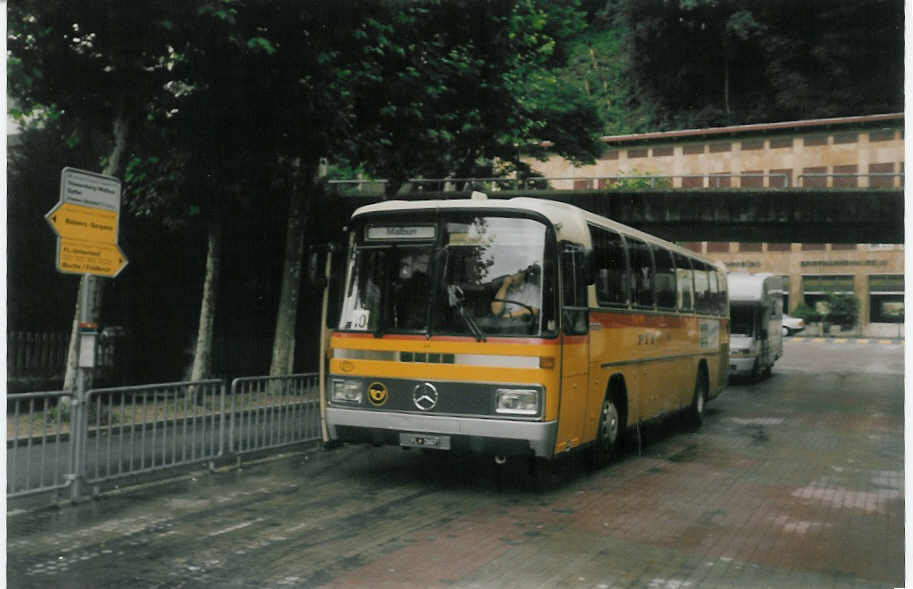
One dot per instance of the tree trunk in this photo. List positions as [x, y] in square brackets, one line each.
[726, 85]
[202, 356]
[283, 358]
[96, 285]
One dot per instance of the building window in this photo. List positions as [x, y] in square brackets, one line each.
[846, 176]
[781, 178]
[721, 180]
[637, 153]
[813, 247]
[662, 151]
[781, 142]
[814, 177]
[886, 298]
[692, 148]
[814, 140]
[886, 135]
[843, 246]
[881, 181]
[718, 247]
[611, 154]
[845, 138]
[779, 247]
[583, 184]
[692, 182]
[720, 147]
[752, 179]
[817, 288]
[752, 144]
[750, 247]
[694, 246]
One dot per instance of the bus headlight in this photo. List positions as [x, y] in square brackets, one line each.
[346, 391]
[517, 401]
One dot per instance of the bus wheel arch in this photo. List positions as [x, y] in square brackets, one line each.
[696, 410]
[613, 415]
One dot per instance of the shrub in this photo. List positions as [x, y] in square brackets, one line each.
[843, 309]
[806, 313]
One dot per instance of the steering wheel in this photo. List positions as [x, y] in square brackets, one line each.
[530, 308]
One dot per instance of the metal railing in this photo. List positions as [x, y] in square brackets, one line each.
[271, 412]
[746, 180]
[140, 429]
[54, 442]
[373, 187]
[38, 450]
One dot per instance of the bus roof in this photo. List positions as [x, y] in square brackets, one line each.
[746, 287]
[569, 221]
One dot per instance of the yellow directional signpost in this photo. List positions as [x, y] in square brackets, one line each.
[86, 222]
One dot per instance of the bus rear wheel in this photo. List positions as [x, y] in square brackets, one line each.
[608, 433]
[699, 401]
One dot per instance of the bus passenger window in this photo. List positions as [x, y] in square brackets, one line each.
[713, 305]
[701, 289]
[665, 278]
[685, 282]
[608, 266]
[641, 272]
[723, 296]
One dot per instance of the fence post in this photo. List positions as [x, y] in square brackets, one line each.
[222, 419]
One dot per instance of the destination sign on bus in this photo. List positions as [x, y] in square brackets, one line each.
[400, 232]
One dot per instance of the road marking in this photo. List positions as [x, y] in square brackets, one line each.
[236, 527]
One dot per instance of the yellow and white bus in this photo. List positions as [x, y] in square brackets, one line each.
[518, 328]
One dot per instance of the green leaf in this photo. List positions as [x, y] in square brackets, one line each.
[262, 44]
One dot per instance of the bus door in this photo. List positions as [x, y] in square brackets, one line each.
[575, 349]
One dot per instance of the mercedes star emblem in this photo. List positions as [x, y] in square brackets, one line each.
[425, 396]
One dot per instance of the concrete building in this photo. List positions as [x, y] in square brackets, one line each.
[838, 153]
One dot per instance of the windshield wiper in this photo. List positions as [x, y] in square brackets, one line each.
[455, 298]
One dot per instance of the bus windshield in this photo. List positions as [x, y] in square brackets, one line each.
[463, 275]
[742, 319]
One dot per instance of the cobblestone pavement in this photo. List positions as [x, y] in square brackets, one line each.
[796, 481]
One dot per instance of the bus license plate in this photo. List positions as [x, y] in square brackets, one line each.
[424, 441]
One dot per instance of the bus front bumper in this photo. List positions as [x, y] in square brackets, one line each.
[743, 365]
[481, 436]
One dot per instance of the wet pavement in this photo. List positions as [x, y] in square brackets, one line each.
[796, 481]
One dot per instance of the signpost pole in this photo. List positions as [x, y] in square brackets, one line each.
[79, 427]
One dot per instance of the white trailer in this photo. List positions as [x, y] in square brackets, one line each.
[755, 318]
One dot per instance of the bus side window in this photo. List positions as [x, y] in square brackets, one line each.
[723, 297]
[665, 278]
[641, 272]
[701, 289]
[713, 300]
[574, 279]
[609, 266]
[685, 283]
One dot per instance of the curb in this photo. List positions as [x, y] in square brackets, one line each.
[847, 340]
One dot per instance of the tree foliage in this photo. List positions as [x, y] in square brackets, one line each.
[452, 88]
[720, 62]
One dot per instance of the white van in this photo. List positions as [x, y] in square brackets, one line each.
[755, 323]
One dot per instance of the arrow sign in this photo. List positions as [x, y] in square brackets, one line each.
[82, 257]
[86, 222]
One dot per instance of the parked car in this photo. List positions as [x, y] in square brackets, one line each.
[792, 325]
